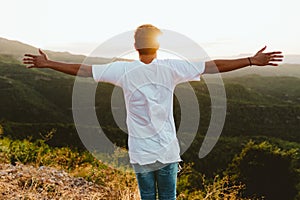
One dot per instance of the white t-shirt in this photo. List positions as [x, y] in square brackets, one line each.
[148, 92]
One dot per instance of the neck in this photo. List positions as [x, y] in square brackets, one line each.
[147, 58]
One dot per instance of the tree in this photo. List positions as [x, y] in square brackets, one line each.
[266, 170]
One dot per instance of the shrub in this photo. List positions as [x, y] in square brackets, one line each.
[266, 170]
[192, 185]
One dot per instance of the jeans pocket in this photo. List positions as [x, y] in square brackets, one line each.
[169, 169]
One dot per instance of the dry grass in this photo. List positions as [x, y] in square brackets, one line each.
[28, 182]
[61, 173]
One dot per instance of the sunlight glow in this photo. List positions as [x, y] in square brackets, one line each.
[223, 28]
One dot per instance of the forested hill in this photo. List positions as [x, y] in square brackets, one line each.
[44, 96]
[36, 99]
[262, 116]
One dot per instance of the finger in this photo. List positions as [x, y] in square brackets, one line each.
[30, 66]
[25, 59]
[273, 64]
[264, 48]
[28, 62]
[41, 52]
[276, 60]
[277, 56]
[30, 55]
[274, 52]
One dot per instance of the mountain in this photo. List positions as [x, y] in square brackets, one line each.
[292, 59]
[289, 67]
[263, 103]
[35, 99]
[18, 49]
[291, 70]
[15, 49]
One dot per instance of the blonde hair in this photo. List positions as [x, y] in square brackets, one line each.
[145, 38]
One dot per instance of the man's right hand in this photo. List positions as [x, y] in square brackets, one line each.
[42, 61]
[38, 61]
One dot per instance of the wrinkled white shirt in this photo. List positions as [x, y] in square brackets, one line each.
[148, 92]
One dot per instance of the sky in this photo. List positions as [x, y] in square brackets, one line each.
[221, 28]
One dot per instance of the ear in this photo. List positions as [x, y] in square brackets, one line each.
[135, 46]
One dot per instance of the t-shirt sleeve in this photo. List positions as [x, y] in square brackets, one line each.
[109, 73]
[185, 71]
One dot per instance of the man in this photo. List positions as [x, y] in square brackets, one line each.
[148, 85]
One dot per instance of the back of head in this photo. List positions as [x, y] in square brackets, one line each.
[146, 39]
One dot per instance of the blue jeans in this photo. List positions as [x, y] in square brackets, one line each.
[157, 180]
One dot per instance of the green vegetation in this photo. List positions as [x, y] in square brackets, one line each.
[194, 185]
[261, 109]
[122, 183]
[254, 172]
[267, 170]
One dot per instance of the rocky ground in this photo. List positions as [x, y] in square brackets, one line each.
[28, 182]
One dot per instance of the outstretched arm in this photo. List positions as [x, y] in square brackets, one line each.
[42, 61]
[259, 59]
